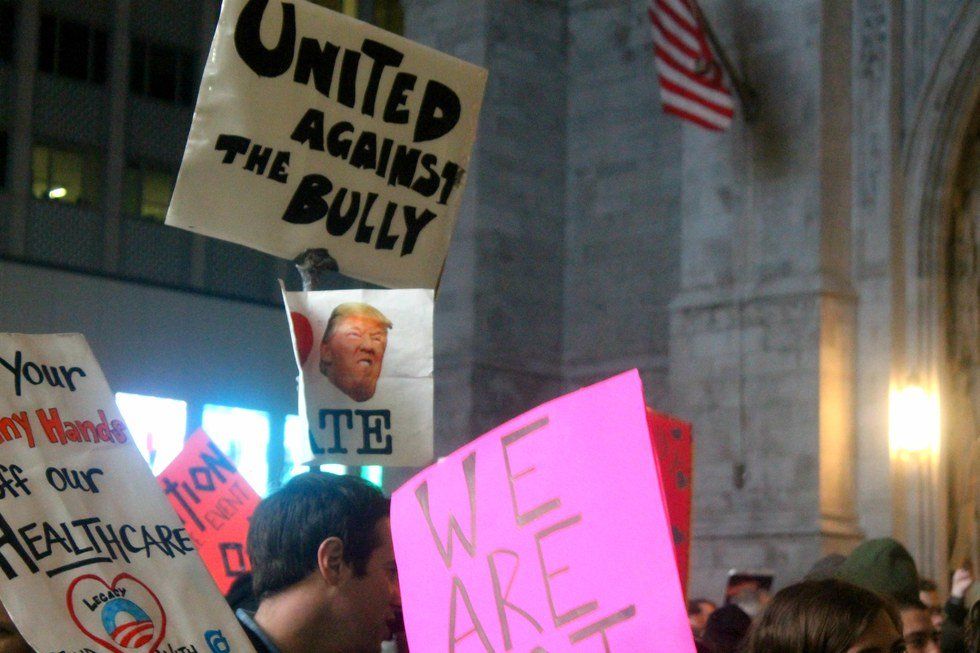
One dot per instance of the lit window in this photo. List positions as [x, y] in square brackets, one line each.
[147, 193]
[157, 425]
[243, 436]
[297, 450]
[373, 474]
[65, 176]
[72, 49]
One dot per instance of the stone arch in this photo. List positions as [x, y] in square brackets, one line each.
[938, 145]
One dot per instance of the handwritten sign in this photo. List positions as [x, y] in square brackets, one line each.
[92, 558]
[315, 130]
[215, 503]
[365, 363]
[546, 534]
[673, 447]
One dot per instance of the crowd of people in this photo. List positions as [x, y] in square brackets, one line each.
[872, 601]
[324, 580]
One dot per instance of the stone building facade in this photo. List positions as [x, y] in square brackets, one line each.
[772, 283]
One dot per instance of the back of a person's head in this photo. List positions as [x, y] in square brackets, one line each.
[288, 526]
[817, 616]
[972, 629]
[726, 628]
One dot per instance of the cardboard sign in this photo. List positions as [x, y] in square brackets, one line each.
[215, 503]
[315, 130]
[548, 534]
[365, 363]
[92, 557]
[673, 447]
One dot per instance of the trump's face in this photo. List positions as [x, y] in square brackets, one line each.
[351, 357]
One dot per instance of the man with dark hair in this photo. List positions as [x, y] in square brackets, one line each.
[323, 568]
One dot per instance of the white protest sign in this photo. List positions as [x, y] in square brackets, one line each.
[316, 130]
[92, 557]
[365, 362]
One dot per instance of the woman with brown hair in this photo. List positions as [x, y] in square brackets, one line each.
[827, 616]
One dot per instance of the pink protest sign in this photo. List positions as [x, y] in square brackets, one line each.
[548, 533]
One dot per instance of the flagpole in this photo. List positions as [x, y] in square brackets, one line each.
[746, 94]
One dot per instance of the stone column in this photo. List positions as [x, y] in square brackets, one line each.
[762, 331]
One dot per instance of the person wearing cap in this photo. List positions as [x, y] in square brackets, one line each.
[886, 567]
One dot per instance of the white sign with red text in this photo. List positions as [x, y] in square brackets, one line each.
[92, 556]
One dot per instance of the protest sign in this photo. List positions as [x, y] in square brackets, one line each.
[92, 558]
[215, 503]
[546, 534]
[315, 130]
[673, 447]
[365, 363]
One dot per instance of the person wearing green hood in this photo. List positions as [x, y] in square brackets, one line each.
[886, 567]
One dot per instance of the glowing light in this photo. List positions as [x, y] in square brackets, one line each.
[373, 474]
[157, 425]
[297, 445]
[243, 436]
[57, 193]
[913, 421]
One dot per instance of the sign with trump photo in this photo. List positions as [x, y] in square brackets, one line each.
[365, 384]
[92, 557]
[314, 130]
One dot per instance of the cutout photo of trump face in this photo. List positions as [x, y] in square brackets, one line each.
[353, 348]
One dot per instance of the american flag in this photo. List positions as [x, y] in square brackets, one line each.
[692, 84]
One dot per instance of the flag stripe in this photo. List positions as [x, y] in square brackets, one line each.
[689, 25]
[671, 26]
[727, 111]
[692, 84]
[692, 118]
[676, 43]
[693, 108]
[696, 84]
[683, 12]
[681, 57]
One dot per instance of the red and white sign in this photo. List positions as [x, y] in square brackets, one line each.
[549, 531]
[215, 503]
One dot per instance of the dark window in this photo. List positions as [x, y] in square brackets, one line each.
[7, 16]
[163, 72]
[137, 67]
[189, 79]
[72, 49]
[100, 56]
[47, 43]
[3, 159]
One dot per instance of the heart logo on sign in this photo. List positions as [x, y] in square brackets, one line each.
[303, 331]
[124, 616]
